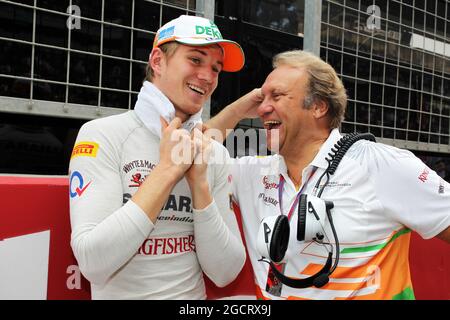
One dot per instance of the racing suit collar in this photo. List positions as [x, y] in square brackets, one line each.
[152, 103]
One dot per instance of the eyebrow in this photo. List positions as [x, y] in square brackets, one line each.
[199, 51]
[202, 52]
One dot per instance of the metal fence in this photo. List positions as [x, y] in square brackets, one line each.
[393, 57]
[77, 58]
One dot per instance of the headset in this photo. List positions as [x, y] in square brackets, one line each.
[274, 231]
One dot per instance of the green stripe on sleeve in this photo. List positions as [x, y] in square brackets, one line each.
[377, 246]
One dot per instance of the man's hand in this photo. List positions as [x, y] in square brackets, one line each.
[197, 172]
[196, 175]
[176, 154]
[243, 108]
[246, 105]
[176, 149]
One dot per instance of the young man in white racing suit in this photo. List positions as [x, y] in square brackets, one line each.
[147, 218]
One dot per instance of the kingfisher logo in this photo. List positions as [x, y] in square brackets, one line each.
[77, 186]
[163, 246]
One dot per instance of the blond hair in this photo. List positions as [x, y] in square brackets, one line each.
[168, 49]
[324, 84]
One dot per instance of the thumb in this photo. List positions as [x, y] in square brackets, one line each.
[197, 130]
[163, 123]
[196, 133]
[175, 123]
[199, 126]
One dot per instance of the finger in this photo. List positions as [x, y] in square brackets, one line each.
[205, 127]
[188, 149]
[196, 149]
[175, 123]
[179, 135]
[164, 123]
[196, 133]
[258, 95]
[207, 149]
[199, 127]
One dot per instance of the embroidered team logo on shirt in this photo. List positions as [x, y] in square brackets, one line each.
[77, 184]
[424, 175]
[441, 189]
[269, 184]
[267, 200]
[136, 180]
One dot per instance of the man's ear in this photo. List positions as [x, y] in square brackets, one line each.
[320, 109]
[156, 60]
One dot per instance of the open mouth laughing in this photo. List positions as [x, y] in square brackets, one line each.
[272, 124]
[197, 89]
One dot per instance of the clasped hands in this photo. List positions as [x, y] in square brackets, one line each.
[183, 153]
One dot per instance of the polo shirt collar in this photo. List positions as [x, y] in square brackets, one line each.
[319, 160]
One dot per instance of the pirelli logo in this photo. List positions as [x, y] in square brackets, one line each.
[85, 149]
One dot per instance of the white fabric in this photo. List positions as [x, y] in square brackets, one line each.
[198, 31]
[118, 249]
[189, 28]
[152, 103]
[377, 190]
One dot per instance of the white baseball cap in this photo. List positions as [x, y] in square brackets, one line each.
[198, 31]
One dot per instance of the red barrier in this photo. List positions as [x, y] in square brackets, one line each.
[34, 204]
[430, 268]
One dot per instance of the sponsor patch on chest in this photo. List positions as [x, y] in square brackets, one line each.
[267, 200]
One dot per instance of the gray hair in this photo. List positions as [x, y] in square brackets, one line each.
[324, 84]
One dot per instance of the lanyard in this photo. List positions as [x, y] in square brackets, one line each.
[297, 197]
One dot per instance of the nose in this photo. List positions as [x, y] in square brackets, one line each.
[264, 108]
[207, 74]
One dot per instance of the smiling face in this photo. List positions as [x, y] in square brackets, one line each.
[282, 109]
[188, 77]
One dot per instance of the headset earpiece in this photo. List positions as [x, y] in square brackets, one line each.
[280, 239]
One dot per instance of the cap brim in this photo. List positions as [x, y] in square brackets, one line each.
[233, 55]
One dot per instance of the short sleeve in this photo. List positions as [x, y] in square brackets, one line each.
[409, 191]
